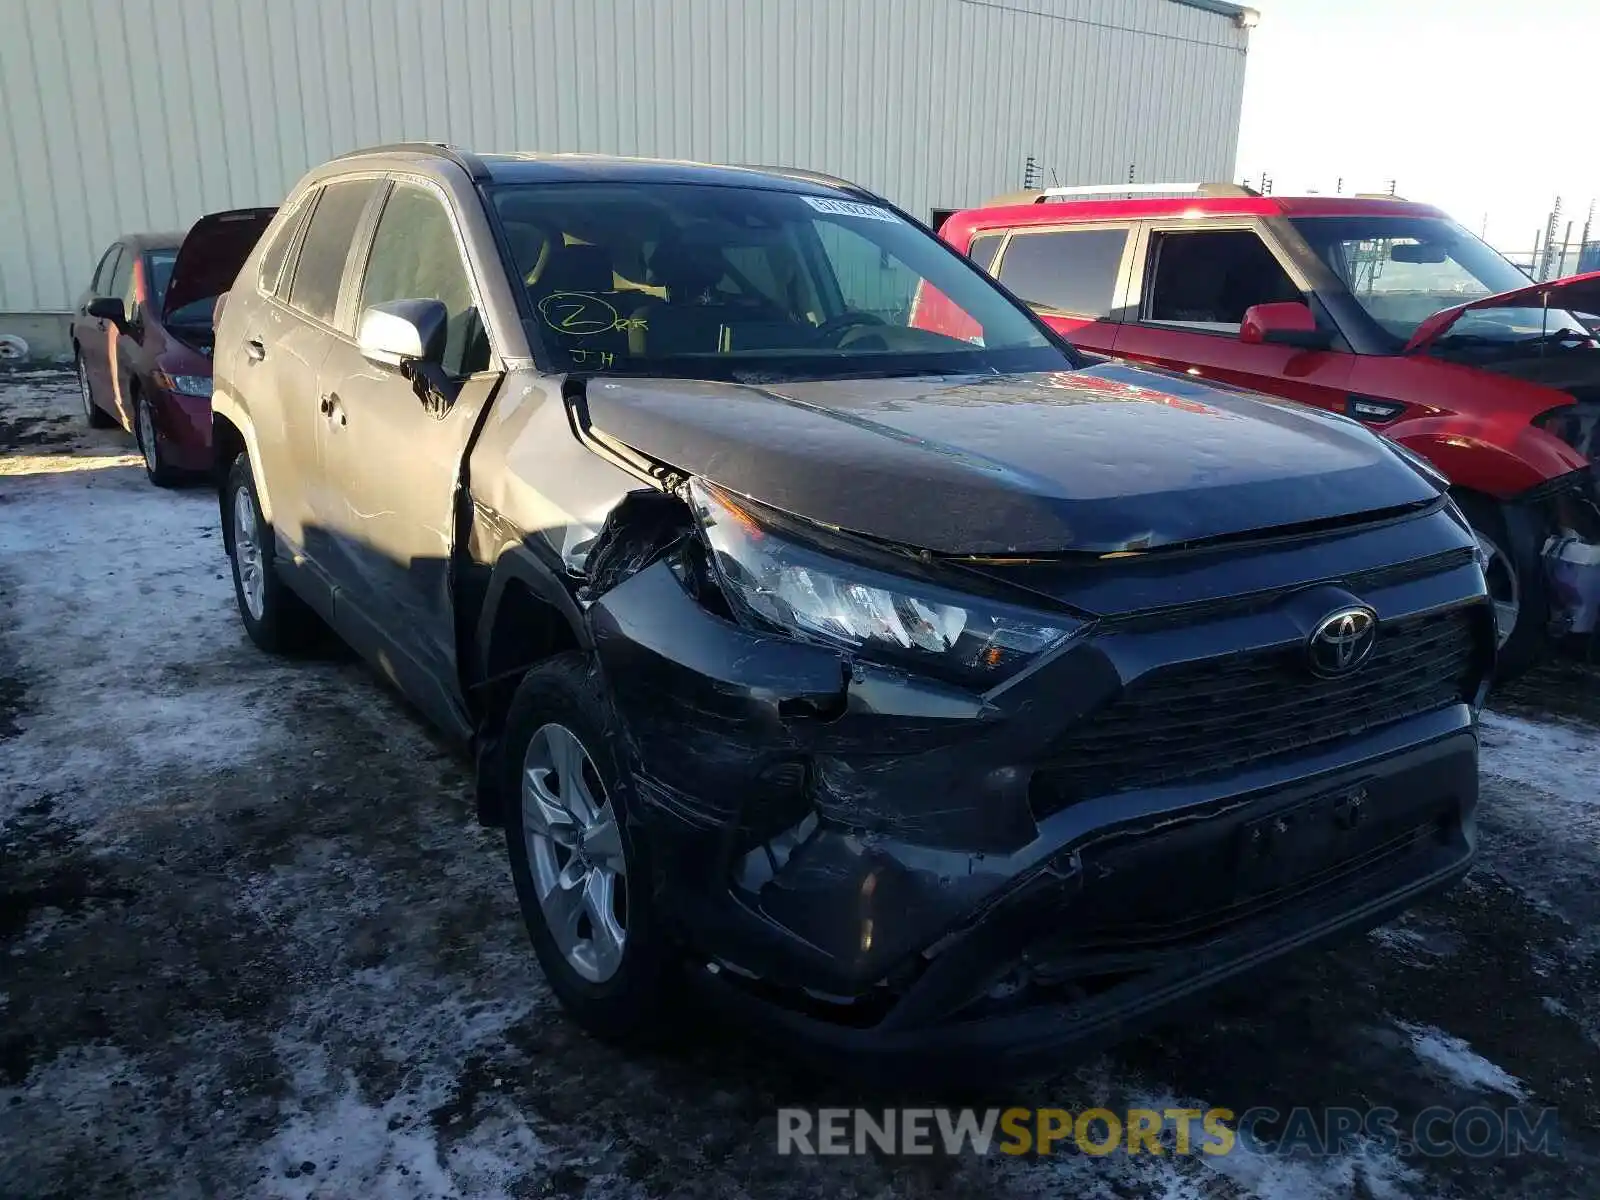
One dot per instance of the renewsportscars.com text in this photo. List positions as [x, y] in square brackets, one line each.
[1476, 1132]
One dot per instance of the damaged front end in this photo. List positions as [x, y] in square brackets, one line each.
[1572, 551]
[904, 807]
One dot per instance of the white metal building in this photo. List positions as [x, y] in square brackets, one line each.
[125, 115]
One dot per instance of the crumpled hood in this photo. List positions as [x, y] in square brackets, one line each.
[1579, 293]
[1105, 459]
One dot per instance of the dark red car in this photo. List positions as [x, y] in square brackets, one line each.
[142, 334]
[1386, 311]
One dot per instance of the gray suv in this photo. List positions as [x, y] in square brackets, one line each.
[899, 682]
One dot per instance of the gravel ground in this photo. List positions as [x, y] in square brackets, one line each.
[252, 941]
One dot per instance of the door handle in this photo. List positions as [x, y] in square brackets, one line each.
[331, 407]
[255, 349]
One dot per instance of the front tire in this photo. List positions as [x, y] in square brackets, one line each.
[581, 869]
[1514, 571]
[276, 619]
[95, 416]
[160, 472]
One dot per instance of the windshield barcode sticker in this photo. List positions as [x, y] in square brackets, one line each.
[850, 208]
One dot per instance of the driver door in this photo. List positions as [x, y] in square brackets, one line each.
[389, 522]
[1190, 292]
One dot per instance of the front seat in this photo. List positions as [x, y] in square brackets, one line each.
[575, 298]
[577, 268]
[694, 318]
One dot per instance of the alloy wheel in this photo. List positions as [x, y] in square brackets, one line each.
[83, 388]
[147, 436]
[1504, 588]
[248, 560]
[574, 852]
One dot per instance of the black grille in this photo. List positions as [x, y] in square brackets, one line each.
[1197, 719]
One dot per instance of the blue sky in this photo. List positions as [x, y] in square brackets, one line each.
[1483, 107]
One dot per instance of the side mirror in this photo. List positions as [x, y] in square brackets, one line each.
[108, 308]
[1285, 324]
[398, 332]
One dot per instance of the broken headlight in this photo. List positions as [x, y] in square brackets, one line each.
[776, 583]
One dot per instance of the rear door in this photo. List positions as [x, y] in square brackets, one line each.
[287, 335]
[1072, 276]
[1189, 292]
[393, 450]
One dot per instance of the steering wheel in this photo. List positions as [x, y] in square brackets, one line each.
[835, 327]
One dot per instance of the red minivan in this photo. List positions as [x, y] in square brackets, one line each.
[1386, 311]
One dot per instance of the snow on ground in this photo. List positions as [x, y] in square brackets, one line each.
[1456, 1061]
[253, 942]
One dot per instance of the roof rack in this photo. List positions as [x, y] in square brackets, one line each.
[1120, 191]
[465, 159]
[1378, 196]
[855, 189]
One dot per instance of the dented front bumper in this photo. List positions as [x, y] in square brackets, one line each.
[877, 862]
[1571, 506]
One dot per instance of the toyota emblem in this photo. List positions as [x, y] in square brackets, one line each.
[1342, 641]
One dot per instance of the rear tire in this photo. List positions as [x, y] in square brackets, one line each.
[618, 996]
[276, 619]
[1515, 574]
[93, 414]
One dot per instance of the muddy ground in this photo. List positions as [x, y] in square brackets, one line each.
[252, 941]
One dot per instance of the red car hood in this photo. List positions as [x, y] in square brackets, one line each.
[212, 253]
[1576, 292]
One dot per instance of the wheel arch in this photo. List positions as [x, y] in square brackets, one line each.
[529, 615]
[1500, 469]
[233, 431]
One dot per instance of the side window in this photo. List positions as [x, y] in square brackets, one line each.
[277, 251]
[1207, 280]
[415, 256]
[122, 282]
[1070, 271]
[320, 265]
[871, 280]
[107, 268]
[983, 249]
[139, 273]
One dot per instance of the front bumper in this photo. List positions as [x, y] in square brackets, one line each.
[1046, 1002]
[183, 423]
[867, 861]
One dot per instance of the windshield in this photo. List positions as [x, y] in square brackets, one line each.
[1402, 270]
[705, 281]
[196, 312]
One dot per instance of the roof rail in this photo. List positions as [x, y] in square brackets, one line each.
[845, 185]
[1146, 189]
[1118, 191]
[465, 159]
[1378, 196]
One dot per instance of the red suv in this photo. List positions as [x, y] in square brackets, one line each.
[1382, 310]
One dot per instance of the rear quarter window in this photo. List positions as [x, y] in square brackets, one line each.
[273, 280]
[1067, 271]
[982, 250]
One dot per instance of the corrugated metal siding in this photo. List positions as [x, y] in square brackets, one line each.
[125, 115]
